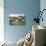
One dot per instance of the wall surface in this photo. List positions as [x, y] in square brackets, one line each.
[1, 21]
[26, 7]
[43, 6]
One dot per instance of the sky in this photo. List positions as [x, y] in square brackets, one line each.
[15, 15]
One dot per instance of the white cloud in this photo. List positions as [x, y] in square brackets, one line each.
[15, 15]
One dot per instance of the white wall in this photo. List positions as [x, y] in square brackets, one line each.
[1, 21]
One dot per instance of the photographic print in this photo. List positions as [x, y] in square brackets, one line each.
[16, 19]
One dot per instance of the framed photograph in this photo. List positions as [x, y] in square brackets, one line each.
[17, 19]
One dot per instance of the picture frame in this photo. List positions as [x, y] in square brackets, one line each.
[17, 19]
